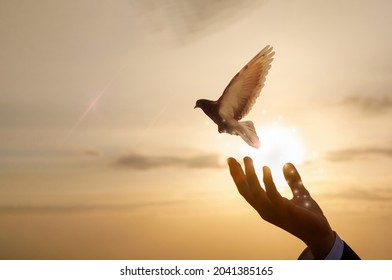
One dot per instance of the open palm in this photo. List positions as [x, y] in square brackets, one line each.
[301, 215]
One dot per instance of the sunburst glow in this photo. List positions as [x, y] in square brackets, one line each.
[279, 145]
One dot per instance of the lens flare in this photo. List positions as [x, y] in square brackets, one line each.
[94, 102]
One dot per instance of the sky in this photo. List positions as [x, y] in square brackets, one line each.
[102, 155]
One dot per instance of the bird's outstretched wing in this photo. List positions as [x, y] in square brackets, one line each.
[242, 91]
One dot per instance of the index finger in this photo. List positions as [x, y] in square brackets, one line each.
[270, 187]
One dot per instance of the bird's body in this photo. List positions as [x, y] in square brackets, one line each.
[238, 98]
[211, 109]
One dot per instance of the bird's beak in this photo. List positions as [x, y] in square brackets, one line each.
[195, 107]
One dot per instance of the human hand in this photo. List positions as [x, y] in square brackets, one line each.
[300, 216]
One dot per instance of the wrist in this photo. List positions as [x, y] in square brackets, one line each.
[321, 246]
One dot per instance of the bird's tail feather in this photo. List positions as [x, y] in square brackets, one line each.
[247, 132]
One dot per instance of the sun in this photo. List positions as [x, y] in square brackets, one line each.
[279, 145]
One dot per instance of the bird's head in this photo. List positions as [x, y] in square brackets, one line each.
[200, 103]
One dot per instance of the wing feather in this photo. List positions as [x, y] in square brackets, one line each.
[242, 91]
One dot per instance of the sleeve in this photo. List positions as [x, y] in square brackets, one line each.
[340, 251]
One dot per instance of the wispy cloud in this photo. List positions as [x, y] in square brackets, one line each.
[369, 194]
[190, 20]
[22, 209]
[355, 153]
[372, 105]
[92, 153]
[143, 162]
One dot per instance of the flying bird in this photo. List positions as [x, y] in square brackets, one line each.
[239, 97]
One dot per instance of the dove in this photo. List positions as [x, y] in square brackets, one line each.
[238, 99]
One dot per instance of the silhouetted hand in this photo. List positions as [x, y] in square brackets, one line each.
[300, 216]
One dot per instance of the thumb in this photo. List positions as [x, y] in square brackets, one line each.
[294, 180]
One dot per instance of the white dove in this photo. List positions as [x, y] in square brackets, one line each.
[238, 98]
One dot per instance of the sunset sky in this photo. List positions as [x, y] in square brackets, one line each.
[102, 155]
